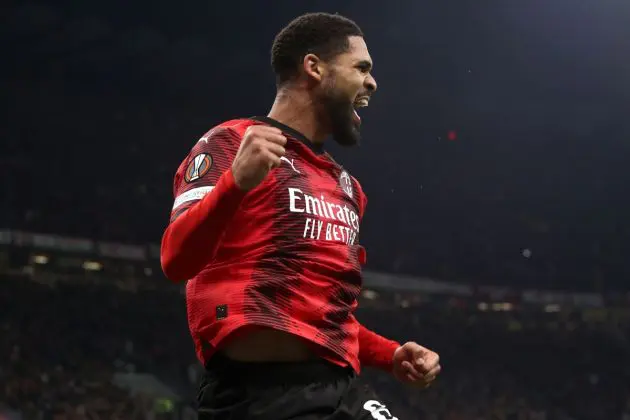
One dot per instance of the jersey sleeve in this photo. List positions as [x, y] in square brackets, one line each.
[206, 199]
[199, 173]
[375, 350]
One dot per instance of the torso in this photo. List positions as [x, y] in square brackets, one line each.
[267, 345]
[289, 267]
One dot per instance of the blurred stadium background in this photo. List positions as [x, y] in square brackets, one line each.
[495, 159]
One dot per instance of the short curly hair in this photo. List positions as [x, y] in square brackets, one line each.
[323, 34]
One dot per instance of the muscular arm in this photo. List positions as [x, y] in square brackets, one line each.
[375, 350]
[206, 199]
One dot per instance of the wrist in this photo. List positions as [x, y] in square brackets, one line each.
[232, 181]
[390, 352]
[381, 355]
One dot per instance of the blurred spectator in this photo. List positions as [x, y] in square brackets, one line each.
[62, 345]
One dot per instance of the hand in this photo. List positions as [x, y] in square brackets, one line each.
[416, 365]
[260, 151]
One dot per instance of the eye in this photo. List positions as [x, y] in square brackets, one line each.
[364, 66]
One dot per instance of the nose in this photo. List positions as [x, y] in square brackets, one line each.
[370, 83]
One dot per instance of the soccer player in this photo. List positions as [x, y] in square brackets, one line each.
[265, 228]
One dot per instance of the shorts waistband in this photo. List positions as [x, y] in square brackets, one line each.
[302, 372]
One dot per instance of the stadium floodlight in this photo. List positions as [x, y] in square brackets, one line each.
[92, 266]
[40, 259]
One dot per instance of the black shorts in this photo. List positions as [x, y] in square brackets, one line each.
[313, 390]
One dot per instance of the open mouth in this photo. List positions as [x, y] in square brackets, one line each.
[361, 102]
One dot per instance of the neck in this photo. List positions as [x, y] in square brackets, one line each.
[297, 110]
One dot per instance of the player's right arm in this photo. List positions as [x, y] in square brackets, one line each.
[209, 187]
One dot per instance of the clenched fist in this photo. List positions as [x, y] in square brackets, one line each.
[260, 151]
[416, 365]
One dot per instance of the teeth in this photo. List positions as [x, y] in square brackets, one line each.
[361, 103]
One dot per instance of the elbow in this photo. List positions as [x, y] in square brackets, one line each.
[184, 253]
[173, 269]
[177, 269]
[177, 265]
[174, 265]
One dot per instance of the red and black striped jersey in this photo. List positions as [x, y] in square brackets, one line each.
[285, 255]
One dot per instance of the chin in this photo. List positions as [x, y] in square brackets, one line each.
[349, 136]
[345, 129]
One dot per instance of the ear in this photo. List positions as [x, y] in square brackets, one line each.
[314, 67]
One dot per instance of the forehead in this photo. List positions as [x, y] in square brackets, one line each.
[358, 51]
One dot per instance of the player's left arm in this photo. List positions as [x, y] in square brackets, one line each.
[376, 350]
[410, 363]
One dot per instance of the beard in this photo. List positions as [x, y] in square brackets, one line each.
[338, 111]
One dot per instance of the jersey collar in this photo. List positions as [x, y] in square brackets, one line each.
[317, 148]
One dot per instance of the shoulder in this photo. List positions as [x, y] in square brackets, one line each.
[226, 132]
[216, 148]
[235, 127]
[224, 138]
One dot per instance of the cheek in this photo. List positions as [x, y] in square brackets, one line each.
[350, 82]
[358, 84]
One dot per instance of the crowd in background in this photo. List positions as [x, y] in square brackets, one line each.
[62, 343]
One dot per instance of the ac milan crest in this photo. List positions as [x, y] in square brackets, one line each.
[346, 183]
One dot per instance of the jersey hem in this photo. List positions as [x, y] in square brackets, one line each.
[228, 327]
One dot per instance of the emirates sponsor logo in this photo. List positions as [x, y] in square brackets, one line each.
[326, 220]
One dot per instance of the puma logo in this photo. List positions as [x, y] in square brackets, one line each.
[290, 162]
